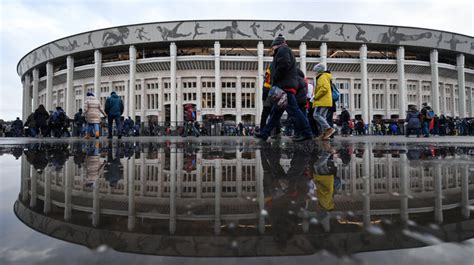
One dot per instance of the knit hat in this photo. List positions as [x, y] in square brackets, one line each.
[319, 68]
[278, 40]
[90, 94]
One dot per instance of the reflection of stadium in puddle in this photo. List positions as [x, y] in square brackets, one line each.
[190, 199]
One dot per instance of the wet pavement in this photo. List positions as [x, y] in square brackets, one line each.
[228, 200]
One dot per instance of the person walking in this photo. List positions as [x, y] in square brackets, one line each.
[41, 117]
[17, 127]
[284, 76]
[78, 123]
[413, 121]
[322, 100]
[345, 118]
[114, 110]
[427, 115]
[267, 104]
[32, 131]
[92, 111]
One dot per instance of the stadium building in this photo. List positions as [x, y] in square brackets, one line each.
[218, 66]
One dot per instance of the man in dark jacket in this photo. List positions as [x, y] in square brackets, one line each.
[345, 117]
[114, 110]
[284, 75]
[79, 120]
[425, 115]
[17, 127]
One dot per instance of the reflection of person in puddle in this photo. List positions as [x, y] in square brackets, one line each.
[113, 169]
[324, 179]
[94, 165]
[36, 156]
[288, 194]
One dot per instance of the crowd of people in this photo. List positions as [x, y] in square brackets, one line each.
[310, 108]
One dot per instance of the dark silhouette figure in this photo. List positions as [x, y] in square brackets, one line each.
[141, 34]
[89, 40]
[167, 33]
[231, 30]
[393, 37]
[67, 48]
[313, 32]
[196, 30]
[254, 28]
[280, 27]
[340, 32]
[114, 36]
[360, 33]
[453, 42]
[47, 52]
[440, 38]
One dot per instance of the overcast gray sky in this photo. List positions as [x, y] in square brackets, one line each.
[26, 25]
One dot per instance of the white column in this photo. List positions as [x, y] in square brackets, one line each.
[33, 183]
[35, 88]
[199, 175]
[323, 53]
[173, 85]
[131, 194]
[179, 101]
[370, 99]
[387, 98]
[261, 72]
[217, 198]
[434, 82]
[217, 76]
[161, 100]
[198, 99]
[131, 88]
[303, 57]
[239, 172]
[466, 212]
[238, 99]
[402, 107]
[172, 228]
[366, 182]
[47, 192]
[453, 100]
[70, 93]
[443, 96]
[49, 86]
[420, 93]
[438, 191]
[25, 177]
[351, 97]
[260, 191]
[179, 172]
[68, 183]
[26, 108]
[97, 73]
[461, 86]
[143, 101]
[404, 187]
[363, 84]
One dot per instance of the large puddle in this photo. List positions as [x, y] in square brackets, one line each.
[244, 199]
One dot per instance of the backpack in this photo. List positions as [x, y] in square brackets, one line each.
[430, 114]
[58, 118]
[335, 92]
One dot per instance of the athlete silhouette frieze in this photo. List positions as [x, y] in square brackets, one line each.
[279, 28]
[113, 36]
[231, 31]
[392, 36]
[316, 33]
[172, 33]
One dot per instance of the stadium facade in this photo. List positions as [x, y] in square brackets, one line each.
[218, 66]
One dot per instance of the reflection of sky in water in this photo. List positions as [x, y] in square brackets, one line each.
[413, 206]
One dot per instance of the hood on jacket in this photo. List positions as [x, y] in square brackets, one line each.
[113, 94]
